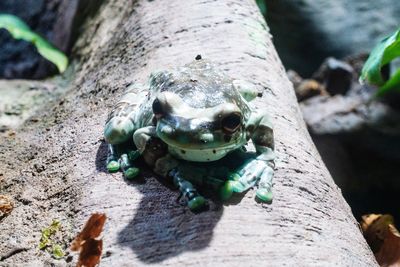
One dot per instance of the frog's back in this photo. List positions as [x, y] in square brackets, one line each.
[199, 85]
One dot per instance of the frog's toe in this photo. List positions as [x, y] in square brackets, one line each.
[264, 195]
[264, 191]
[237, 186]
[196, 203]
[226, 191]
[249, 173]
[128, 169]
[113, 166]
[131, 173]
[233, 176]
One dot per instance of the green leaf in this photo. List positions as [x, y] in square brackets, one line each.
[387, 50]
[19, 30]
[57, 251]
[47, 232]
[13, 22]
[44, 242]
[392, 84]
[262, 6]
[55, 226]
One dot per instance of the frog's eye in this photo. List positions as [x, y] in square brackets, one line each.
[231, 122]
[157, 108]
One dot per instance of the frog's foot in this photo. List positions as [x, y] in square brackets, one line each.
[249, 175]
[124, 163]
[113, 165]
[194, 200]
[247, 89]
[112, 159]
[264, 191]
[226, 191]
[221, 186]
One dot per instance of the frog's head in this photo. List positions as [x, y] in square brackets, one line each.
[198, 134]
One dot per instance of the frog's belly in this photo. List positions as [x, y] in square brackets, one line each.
[202, 155]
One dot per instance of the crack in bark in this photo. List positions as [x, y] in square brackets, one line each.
[13, 252]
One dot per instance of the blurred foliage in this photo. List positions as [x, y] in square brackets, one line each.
[383, 53]
[20, 30]
[262, 5]
[47, 233]
[48, 241]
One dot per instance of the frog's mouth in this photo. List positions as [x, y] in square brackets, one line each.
[196, 138]
[205, 147]
[200, 155]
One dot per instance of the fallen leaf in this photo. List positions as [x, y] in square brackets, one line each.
[90, 253]
[87, 243]
[389, 254]
[383, 238]
[6, 205]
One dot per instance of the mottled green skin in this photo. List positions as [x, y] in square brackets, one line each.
[193, 114]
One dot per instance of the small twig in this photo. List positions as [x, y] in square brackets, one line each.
[12, 253]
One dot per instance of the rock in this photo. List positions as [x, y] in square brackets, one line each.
[344, 115]
[336, 76]
[332, 115]
[307, 31]
[356, 61]
[358, 138]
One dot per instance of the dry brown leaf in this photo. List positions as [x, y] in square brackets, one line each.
[383, 238]
[375, 227]
[309, 88]
[389, 254]
[6, 205]
[87, 243]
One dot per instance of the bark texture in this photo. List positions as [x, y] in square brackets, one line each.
[60, 172]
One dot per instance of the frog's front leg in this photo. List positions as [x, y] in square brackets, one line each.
[248, 90]
[118, 131]
[149, 145]
[260, 169]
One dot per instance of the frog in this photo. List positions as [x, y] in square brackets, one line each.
[190, 115]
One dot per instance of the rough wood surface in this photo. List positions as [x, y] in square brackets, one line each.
[308, 223]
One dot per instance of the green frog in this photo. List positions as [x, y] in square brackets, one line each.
[186, 118]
